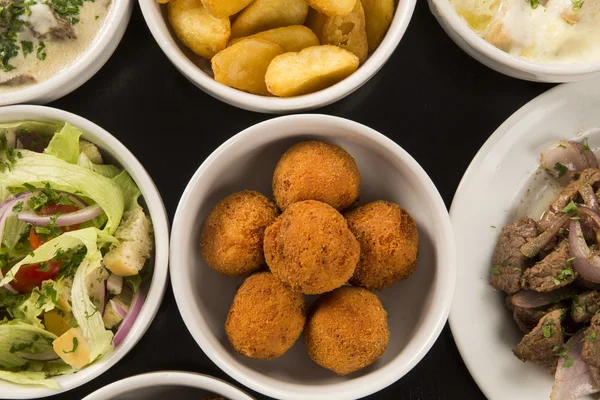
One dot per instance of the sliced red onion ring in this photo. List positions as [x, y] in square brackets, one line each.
[574, 156]
[76, 200]
[585, 263]
[118, 309]
[47, 356]
[134, 310]
[69, 219]
[115, 284]
[531, 248]
[533, 299]
[574, 381]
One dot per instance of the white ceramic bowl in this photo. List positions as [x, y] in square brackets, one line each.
[500, 61]
[82, 69]
[168, 384]
[417, 307]
[198, 70]
[123, 157]
[500, 185]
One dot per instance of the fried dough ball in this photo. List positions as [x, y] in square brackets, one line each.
[346, 330]
[310, 248]
[316, 171]
[389, 244]
[232, 236]
[266, 317]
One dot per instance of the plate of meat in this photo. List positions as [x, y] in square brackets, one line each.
[526, 314]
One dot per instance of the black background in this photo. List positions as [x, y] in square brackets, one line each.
[431, 98]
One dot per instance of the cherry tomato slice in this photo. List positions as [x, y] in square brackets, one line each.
[30, 276]
[36, 240]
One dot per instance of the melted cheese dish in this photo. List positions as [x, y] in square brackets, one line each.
[545, 31]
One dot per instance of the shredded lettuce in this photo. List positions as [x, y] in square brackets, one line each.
[40, 128]
[29, 378]
[38, 169]
[65, 144]
[109, 171]
[17, 338]
[131, 193]
[40, 301]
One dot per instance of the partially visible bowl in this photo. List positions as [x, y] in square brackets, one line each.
[498, 60]
[110, 146]
[83, 68]
[198, 70]
[417, 307]
[171, 384]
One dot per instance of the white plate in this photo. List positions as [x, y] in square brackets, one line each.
[501, 184]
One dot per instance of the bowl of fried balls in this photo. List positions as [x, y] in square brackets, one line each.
[312, 257]
[278, 55]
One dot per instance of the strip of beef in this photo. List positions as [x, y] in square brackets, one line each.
[508, 261]
[528, 318]
[16, 80]
[591, 344]
[553, 272]
[585, 306]
[588, 177]
[540, 345]
[45, 23]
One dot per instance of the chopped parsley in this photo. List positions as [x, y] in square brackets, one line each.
[558, 167]
[46, 196]
[20, 347]
[41, 51]
[562, 351]
[586, 145]
[577, 4]
[505, 263]
[10, 19]
[75, 345]
[548, 329]
[18, 207]
[495, 271]
[67, 9]
[534, 3]
[27, 47]
[570, 208]
[592, 337]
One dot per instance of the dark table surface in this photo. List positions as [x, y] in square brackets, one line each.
[430, 98]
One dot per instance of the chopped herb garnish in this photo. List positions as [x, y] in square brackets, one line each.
[534, 3]
[18, 207]
[558, 167]
[592, 337]
[562, 351]
[548, 329]
[570, 208]
[577, 4]
[495, 271]
[586, 145]
[20, 347]
[41, 52]
[75, 344]
[505, 263]
[27, 47]
[565, 274]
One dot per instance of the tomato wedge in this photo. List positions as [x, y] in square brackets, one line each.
[32, 276]
[36, 240]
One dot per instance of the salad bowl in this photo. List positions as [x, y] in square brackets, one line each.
[143, 197]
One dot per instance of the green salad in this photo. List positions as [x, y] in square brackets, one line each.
[74, 242]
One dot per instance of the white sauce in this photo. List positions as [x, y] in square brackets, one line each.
[60, 53]
[554, 33]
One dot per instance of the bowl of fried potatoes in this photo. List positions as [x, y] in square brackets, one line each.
[278, 55]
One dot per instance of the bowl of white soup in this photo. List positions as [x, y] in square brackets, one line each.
[536, 40]
[48, 48]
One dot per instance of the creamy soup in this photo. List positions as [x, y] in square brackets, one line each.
[39, 38]
[545, 31]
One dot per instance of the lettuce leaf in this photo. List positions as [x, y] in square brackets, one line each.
[131, 193]
[29, 378]
[14, 229]
[65, 144]
[38, 169]
[109, 171]
[17, 337]
[40, 301]
[40, 128]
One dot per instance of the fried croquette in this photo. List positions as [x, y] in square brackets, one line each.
[389, 244]
[316, 171]
[310, 248]
[266, 317]
[232, 236]
[346, 330]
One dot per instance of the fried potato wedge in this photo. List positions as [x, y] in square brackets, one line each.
[347, 32]
[315, 21]
[263, 15]
[290, 38]
[333, 8]
[310, 70]
[378, 17]
[224, 8]
[197, 29]
[244, 64]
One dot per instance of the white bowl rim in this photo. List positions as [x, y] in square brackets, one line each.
[159, 219]
[443, 288]
[238, 98]
[479, 44]
[164, 378]
[459, 195]
[85, 66]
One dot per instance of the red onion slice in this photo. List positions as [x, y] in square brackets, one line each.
[115, 284]
[533, 299]
[574, 381]
[69, 219]
[585, 263]
[134, 310]
[118, 309]
[573, 156]
[531, 248]
[47, 356]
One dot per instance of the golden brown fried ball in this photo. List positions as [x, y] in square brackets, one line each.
[316, 171]
[389, 244]
[346, 330]
[310, 248]
[232, 236]
[266, 317]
